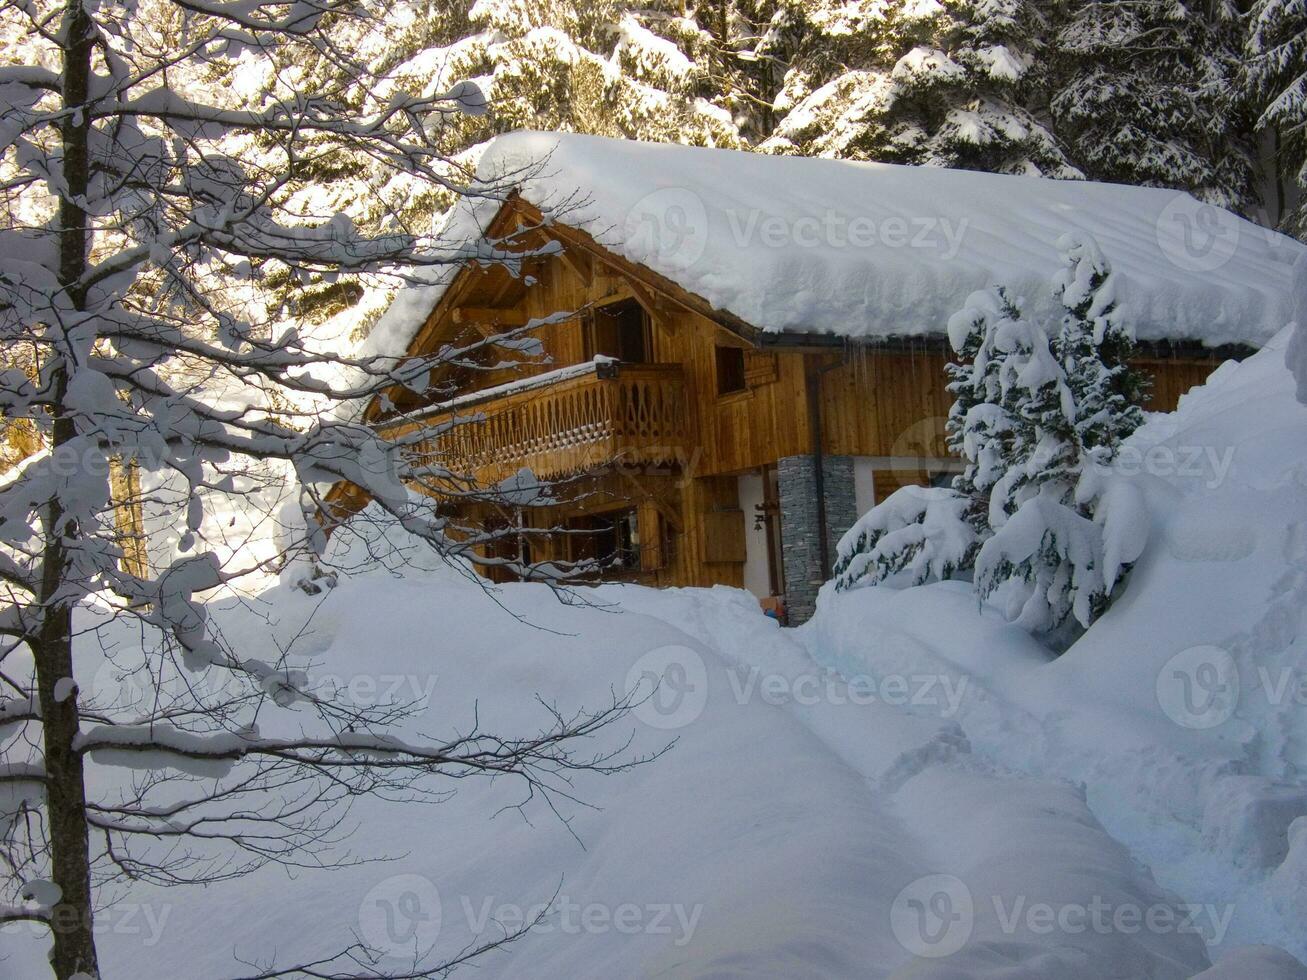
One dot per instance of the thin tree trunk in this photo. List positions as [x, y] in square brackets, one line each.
[71, 922]
[71, 927]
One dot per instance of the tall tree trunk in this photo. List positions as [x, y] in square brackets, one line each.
[71, 923]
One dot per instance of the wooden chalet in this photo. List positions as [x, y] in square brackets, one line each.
[686, 442]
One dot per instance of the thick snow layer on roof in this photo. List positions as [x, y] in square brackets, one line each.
[876, 250]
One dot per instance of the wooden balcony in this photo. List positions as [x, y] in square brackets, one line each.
[559, 424]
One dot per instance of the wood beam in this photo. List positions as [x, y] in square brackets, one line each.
[478, 315]
[580, 262]
[652, 304]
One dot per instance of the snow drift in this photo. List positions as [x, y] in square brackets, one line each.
[1182, 709]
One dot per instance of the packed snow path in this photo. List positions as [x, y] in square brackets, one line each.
[1008, 805]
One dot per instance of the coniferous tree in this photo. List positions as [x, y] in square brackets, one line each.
[979, 429]
[607, 68]
[1275, 81]
[1038, 416]
[953, 84]
[748, 48]
[1094, 347]
[1145, 94]
[1048, 555]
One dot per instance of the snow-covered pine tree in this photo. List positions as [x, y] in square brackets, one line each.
[609, 68]
[950, 83]
[743, 49]
[1051, 559]
[1094, 346]
[916, 535]
[1036, 431]
[136, 195]
[1037, 417]
[596, 68]
[1275, 80]
[934, 533]
[978, 428]
[1145, 93]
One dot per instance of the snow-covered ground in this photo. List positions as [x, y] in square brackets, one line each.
[1183, 712]
[907, 786]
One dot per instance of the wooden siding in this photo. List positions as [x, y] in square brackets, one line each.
[629, 413]
[679, 463]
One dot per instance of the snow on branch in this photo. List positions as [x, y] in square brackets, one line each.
[163, 201]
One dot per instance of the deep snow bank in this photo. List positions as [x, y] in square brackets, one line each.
[907, 786]
[795, 829]
[749, 849]
[1184, 709]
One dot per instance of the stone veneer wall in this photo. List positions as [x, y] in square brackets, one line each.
[800, 550]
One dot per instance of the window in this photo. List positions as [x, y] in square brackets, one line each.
[730, 370]
[619, 330]
[612, 540]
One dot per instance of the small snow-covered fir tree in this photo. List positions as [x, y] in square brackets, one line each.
[918, 535]
[1038, 416]
[1275, 80]
[1145, 93]
[936, 533]
[1072, 399]
[1094, 346]
[979, 428]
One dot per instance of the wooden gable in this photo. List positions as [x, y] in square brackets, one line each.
[566, 270]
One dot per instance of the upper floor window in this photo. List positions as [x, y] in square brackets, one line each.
[619, 330]
[730, 370]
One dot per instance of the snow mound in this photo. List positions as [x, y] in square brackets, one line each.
[374, 542]
[1181, 709]
[798, 826]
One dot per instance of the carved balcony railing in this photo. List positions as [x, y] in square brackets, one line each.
[558, 424]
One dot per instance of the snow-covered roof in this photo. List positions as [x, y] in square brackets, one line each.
[868, 250]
